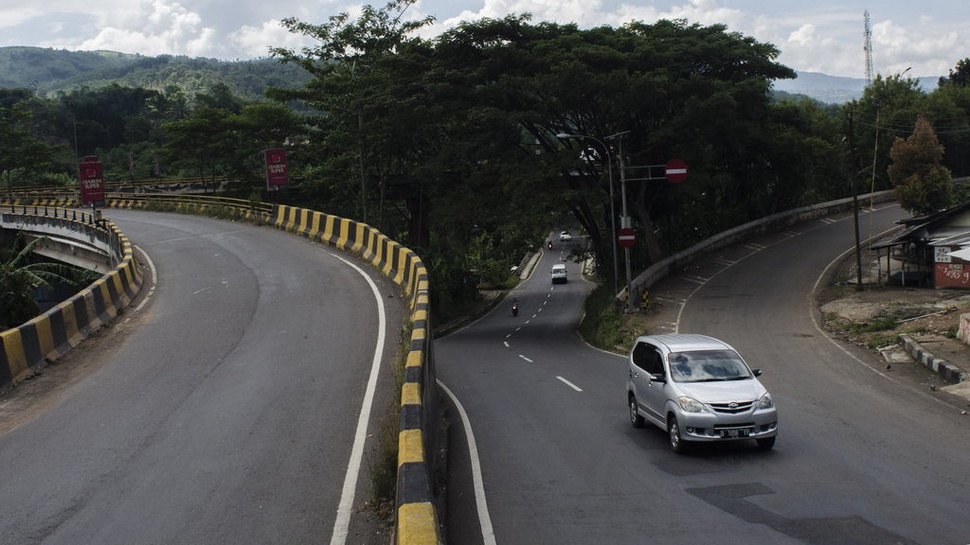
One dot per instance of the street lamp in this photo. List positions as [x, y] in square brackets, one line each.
[609, 166]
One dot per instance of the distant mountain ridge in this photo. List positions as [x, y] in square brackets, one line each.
[835, 89]
[49, 71]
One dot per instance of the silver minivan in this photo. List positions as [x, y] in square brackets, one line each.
[698, 388]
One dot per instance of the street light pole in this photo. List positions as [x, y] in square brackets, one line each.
[609, 168]
[625, 222]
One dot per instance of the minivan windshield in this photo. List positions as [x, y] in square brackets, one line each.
[707, 366]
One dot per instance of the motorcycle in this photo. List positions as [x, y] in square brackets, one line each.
[515, 308]
[549, 243]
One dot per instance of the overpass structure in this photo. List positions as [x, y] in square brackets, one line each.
[82, 239]
[89, 241]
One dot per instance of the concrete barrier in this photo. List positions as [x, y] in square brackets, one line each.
[416, 517]
[662, 268]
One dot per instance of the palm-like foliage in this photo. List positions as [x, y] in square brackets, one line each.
[19, 278]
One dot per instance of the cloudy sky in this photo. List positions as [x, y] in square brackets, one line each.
[929, 36]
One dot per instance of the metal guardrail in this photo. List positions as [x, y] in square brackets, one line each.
[176, 202]
[117, 184]
[54, 212]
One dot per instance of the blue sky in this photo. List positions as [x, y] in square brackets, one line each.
[825, 36]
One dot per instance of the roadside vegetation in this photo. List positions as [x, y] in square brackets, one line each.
[22, 274]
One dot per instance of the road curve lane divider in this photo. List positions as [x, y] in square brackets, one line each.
[416, 513]
[26, 349]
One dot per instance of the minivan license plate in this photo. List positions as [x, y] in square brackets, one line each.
[733, 434]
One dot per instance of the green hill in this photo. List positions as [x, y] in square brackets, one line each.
[49, 71]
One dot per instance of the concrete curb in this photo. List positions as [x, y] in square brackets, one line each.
[946, 370]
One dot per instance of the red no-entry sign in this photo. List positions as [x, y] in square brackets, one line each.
[626, 237]
[675, 171]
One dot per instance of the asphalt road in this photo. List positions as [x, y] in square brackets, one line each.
[861, 458]
[224, 410]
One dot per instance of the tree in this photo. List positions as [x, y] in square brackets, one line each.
[887, 108]
[348, 86]
[462, 130]
[19, 278]
[24, 156]
[959, 76]
[922, 185]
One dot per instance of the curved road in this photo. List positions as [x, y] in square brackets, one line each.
[861, 458]
[223, 411]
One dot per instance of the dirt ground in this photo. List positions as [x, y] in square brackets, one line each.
[876, 315]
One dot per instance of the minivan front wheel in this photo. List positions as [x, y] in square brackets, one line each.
[635, 417]
[673, 434]
[766, 443]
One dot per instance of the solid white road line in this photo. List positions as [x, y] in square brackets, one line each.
[484, 519]
[154, 271]
[341, 525]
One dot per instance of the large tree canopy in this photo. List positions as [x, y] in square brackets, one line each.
[463, 130]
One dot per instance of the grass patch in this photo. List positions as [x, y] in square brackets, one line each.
[879, 324]
[603, 325]
[383, 486]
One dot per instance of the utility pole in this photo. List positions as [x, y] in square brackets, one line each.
[855, 205]
[624, 224]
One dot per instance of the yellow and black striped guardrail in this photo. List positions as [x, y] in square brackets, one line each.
[417, 521]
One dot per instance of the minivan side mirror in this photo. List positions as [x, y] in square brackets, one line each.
[756, 372]
[658, 378]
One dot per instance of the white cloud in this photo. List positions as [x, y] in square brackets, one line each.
[252, 41]
[154, 28]
[826, 36]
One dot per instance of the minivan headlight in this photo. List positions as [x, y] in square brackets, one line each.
[766, 402]
[690, 405]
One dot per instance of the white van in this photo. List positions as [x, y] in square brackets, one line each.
[558, 273]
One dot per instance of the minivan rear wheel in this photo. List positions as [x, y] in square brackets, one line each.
[673, 434]
[635, 417]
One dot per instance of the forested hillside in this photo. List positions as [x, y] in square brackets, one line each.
[48, 71]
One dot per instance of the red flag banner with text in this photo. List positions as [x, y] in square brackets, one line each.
[91, 181]
[276, 173]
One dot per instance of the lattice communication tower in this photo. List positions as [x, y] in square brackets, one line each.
[868, 49]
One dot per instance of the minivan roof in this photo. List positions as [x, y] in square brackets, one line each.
[683, 342]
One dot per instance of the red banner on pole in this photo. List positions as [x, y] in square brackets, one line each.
[276, 173]
[91, 181]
